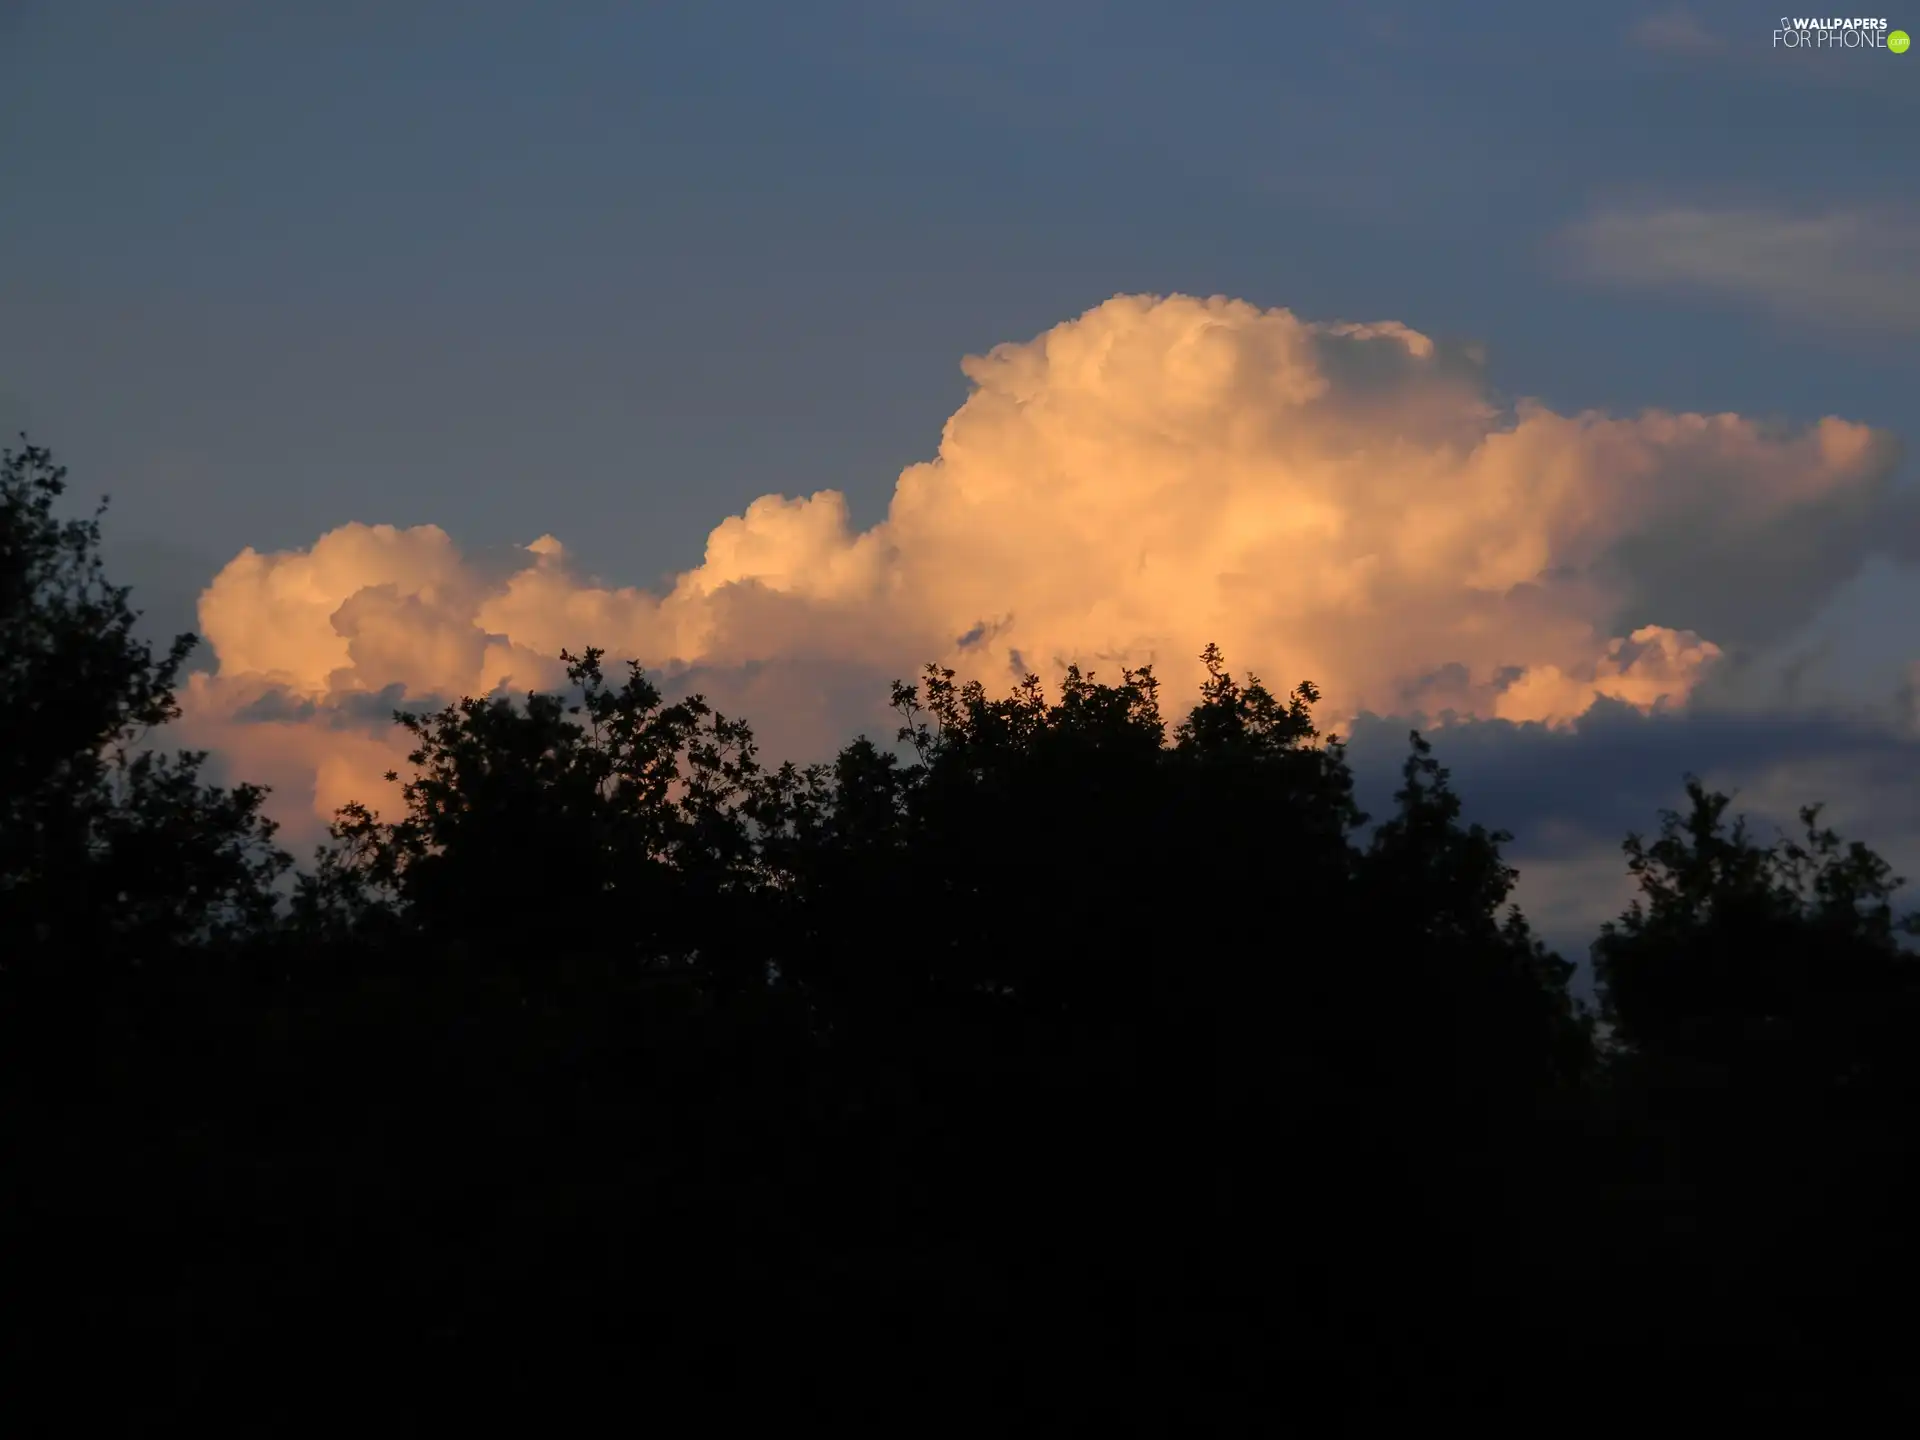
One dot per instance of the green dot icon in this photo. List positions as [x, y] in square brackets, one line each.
[1897, 41]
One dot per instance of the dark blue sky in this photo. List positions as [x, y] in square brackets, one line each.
[611, 271]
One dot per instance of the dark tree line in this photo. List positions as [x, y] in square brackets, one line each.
[1056, 1064]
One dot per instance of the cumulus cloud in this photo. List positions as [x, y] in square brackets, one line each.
[1846, 268]
[1333, 501]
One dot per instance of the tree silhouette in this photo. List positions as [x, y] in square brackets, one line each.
[109, 852]
[1763, 1016]
[1056, 1058]
[617, 821]
[1737, 948]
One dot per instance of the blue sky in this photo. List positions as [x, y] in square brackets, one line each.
[611, 271]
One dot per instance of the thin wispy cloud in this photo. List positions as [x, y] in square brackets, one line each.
[1853, 269]
[1675, 32]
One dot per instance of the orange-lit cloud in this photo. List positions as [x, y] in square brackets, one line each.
[1329, 501]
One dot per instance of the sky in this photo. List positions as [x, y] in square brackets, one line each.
[1540, 375]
